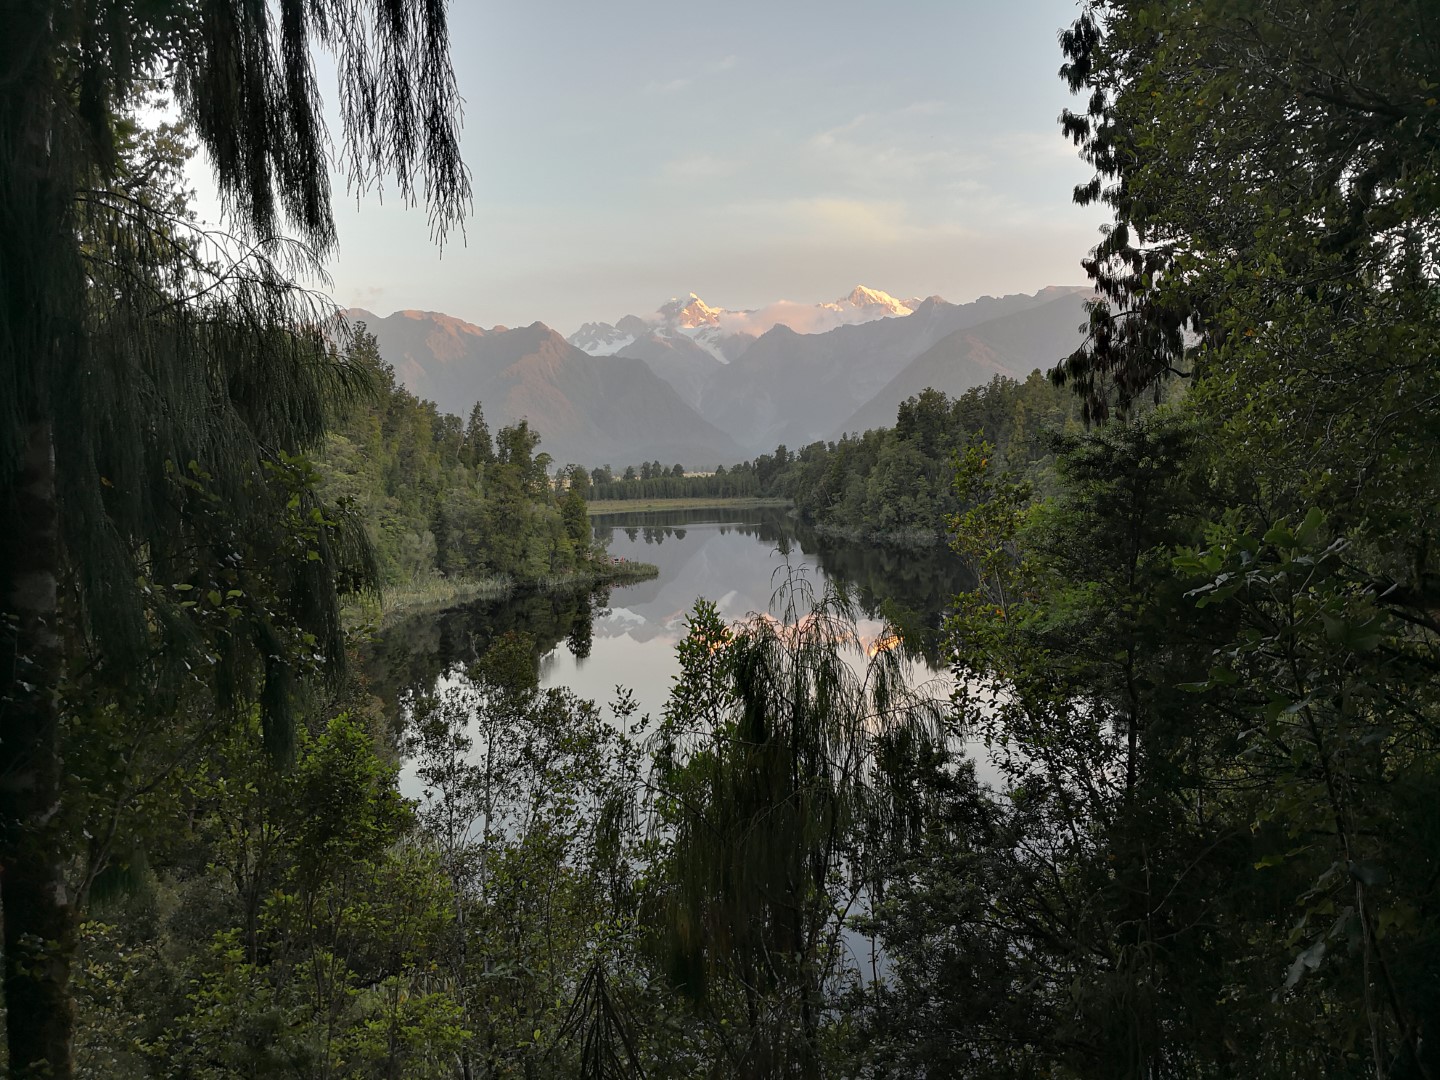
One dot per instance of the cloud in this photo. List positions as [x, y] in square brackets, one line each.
[802, 318]
[1035, 149]
[366, 296]
[834, 136]
[854, 218]
[881, 151]
[990, 181]
[684, 82]
[922, 108]
[700, 167]
[836, 220]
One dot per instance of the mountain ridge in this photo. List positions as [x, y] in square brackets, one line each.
[1012, 345]
[692, 317]
[683, 389]
[584, 408]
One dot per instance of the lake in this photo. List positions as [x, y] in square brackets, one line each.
[625, 636]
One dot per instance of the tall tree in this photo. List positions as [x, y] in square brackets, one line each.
[1261, 685]
[145, 379]
[478, 448]
[1249, 152]
[766, 786]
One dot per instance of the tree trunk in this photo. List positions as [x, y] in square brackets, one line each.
[39, 916]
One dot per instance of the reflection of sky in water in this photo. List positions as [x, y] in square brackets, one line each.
[730, 565]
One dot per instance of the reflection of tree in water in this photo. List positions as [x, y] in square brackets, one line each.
[911, 588]
[410, 656]
[582, 630]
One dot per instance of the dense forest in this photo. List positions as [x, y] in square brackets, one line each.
[1201, 647]
[438, 498]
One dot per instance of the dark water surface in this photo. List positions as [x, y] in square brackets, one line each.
[626, 636]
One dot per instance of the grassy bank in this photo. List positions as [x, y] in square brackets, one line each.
[438, 594]
[621, 506]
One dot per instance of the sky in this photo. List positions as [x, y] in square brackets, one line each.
[628, 152]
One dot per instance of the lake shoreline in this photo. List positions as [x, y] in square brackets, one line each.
[442, 594]
[627, 506]
[903, 539]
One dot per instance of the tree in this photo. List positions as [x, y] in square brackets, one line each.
[572, 506]
[479, 450]
[1297, 132]
[307, 944]
[765, 777]
[527, 798]
[1210, 660]
[114, 316]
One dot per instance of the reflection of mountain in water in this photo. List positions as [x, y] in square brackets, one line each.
[735, 559]
[738, 558]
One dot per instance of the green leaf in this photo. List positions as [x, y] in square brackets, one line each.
[1311, 526]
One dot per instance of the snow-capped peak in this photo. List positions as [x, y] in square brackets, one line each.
[600, 339]
[862, 297]
[726, 333]
[690, 312]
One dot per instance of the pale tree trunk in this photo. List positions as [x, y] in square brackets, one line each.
[39, 915]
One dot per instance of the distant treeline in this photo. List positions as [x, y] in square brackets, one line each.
[651, 481]
[438, 496]
[895, 483]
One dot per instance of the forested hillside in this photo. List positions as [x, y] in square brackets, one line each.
[438, 497]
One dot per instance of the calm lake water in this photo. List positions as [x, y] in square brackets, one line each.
[625, 636]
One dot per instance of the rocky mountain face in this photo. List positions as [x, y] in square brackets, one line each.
[1037, 336]
[726, 334]
[796, 388]
[794, 383]
[589, 409]
[703, 385]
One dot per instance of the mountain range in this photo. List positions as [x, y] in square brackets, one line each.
[704, 386]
